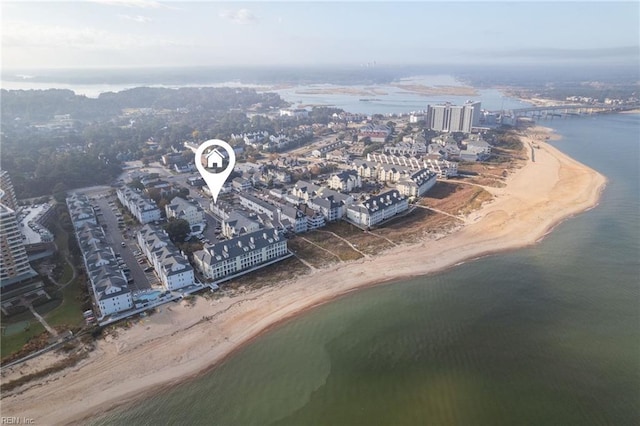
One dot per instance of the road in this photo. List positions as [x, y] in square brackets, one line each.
[141, 280]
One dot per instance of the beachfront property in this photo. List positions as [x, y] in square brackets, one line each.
[453, 118]
[240, 254]
[14, 262]
[171, 267]
[417, 184]
[142, 208]
[377, 208]
[345, 181]
[476, 149]
[180, 208]
[107, 281]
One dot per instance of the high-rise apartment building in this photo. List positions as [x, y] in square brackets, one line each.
[14, 262]
[9, 198]
[453, 118]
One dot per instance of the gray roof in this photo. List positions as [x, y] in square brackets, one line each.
[238, 246]
[383, 200]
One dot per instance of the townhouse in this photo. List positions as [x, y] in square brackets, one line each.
[377, 208]
[240, 254]
[171, 267]
[141, 207]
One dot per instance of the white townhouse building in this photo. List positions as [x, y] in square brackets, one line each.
[172, 268]
[281, 215]
[378, 208]
[106, 279]
[238, 223]
[476, 149]
[331, 204]
[345, 181]
[180, 208]
[80, 210]
[241, 253]
[417, 184]
[144, 209]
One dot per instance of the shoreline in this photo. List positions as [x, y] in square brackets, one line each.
[178, 343]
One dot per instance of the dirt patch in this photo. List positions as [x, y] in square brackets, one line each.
[455, 198]
[415, 225]
[269, 275]
[333, 244]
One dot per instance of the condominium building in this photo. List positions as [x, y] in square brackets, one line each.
[143, 208]
[377, 208]
[14, 262]
[107, 281]
[180, 208]
[345, 181]
[417, 184]
[172, 268]
[453, 118]
[240, 254]
[9, 197]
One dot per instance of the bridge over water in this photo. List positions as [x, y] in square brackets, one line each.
[566, 109]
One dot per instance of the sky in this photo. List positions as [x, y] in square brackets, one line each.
[149, 33]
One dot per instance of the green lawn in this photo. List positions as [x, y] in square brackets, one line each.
[69, 313]
[11, 344]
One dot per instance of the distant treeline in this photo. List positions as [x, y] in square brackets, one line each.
[48, 160]
[42, 105]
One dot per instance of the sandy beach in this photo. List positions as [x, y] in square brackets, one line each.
[183, 340]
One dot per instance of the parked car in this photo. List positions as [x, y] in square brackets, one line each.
[149, 269]
[123, 244]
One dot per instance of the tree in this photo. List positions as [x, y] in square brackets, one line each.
[178, 229]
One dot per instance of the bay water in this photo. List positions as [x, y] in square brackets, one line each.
[548, 334]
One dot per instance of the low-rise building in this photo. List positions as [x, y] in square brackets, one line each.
[241, 184]
[107, 281]
[239, 223]
[377, 208]
[240, 254]
[144, 209]
[345, 181]
[417, 184]
[375, 132]
[180, 208]
[171, 267]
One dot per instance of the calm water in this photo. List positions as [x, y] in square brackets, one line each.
[544, 335]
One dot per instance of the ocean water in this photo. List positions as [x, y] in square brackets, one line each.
[546, 335]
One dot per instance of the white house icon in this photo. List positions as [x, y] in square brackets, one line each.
[214, 159]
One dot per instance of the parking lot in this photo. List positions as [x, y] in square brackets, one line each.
[122, 240]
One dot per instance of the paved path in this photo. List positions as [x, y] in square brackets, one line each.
[43, 322]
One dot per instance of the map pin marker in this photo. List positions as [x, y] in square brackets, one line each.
[215, 160]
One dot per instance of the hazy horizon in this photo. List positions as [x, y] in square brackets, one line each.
[120, 34]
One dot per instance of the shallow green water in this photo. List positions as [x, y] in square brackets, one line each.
[544, 335]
